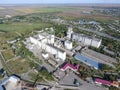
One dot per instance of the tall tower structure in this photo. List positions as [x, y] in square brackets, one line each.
[69, 32]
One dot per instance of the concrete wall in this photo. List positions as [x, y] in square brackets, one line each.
[35, 41]
[55, 51]
[51, 39]
[86, 40]
[96, 43]
[69, 33]
[68, 45]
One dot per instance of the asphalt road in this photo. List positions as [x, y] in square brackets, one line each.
[1, 65]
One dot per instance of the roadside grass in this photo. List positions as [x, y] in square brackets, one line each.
[8, 54]
[33, 76]
[5, 66]
[19, 66]
[36, 59]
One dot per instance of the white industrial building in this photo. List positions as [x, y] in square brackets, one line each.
[86, 40]
[45, 41]
[68, 45]
[57, 52]
[41, 40]
[69, 33]
[11, 83]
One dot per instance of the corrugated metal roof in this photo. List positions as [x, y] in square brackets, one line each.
[103, 81]
[88, 60]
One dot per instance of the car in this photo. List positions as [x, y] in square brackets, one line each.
[76, 83]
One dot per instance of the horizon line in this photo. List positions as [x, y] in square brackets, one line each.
[52, 3]
[68, 4]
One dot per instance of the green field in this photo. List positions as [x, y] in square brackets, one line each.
[8, 54]
[19, 66]
[45, 9]
[22, 26]
[33, 76]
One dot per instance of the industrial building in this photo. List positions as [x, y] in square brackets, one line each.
[89, 41]
[68, 45]
[11, 83]
[102, 82]
[46, 42]
[70, 66]
[41, 39]
[89, 61]
[57, 52]
[69, 32]
[83, 39]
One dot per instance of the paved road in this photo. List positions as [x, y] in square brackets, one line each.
[99, 33]
[1, 65]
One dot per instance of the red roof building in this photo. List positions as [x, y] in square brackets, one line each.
[101, 81]
[70, 66]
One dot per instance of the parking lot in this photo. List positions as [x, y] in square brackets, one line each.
[69, 79]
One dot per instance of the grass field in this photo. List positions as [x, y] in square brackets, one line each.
[37, 10]
[33, 77]
[8, 54]
[45, 9]
[19, 66]
[22, 26]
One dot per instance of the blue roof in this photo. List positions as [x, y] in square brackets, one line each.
[87, 60]
[1, 87]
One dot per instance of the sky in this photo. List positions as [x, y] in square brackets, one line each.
[56, 1]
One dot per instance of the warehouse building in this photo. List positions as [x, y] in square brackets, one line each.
[89, 61]
[11, 83]
[82, 38]
[89, 41]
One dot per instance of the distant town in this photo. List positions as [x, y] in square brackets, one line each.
[51, 48]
